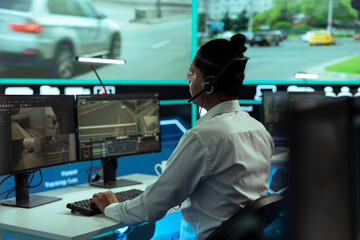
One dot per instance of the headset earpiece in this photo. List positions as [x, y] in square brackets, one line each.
[207, 86]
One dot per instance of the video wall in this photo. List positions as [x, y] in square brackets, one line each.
[158, 42]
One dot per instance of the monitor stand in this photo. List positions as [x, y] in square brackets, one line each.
[22, 197]
[109, 167]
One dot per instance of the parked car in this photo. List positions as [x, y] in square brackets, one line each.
[264, 39]
[322, 37]
[248, 34]
[307, 36]
[282, 36]
[50, 33]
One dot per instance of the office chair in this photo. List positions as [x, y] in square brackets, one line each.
[249, 222]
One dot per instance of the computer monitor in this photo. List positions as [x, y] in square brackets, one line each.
[37, 131]
[276, 109]
[324, 171]
[113, 126]
[275, 115]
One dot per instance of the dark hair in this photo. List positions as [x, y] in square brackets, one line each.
[215, 54]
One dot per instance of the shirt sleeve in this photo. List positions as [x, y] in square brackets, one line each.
[186, 167]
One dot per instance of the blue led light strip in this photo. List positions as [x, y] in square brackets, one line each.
[42, 81]
[175, 122]
[194, 18]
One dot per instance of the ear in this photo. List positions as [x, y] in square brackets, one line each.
[208, 77]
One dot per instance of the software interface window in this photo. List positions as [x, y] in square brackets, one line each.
[112, 125]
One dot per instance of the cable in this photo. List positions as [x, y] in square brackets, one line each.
[30, 176]
[97, 75]
[7, 191]
[41, 179]
[98, 175]
[89, 173]
[6, 179]
[10, 191]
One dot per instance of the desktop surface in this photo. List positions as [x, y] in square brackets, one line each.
[280, 160]
[55, 221]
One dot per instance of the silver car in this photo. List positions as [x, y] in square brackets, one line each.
[50, 33]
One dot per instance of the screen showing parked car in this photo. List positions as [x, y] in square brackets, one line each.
[40, 38]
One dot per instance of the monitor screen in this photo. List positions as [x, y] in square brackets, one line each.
[275, 112]
[277, 107]
[40, 38]
[36, 132]
[111, 126]
[284, 39]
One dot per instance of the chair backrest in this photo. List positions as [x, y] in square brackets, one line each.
[256, 216]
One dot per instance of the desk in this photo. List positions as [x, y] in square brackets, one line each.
[55, 221]
[280, 160]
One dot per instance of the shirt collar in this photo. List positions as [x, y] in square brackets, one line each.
[224, 107]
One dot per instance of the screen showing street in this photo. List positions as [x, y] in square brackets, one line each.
[40, 38]
[114, 126]
[284, 38]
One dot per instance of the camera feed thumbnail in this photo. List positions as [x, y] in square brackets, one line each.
[36, 136]
[109, 128]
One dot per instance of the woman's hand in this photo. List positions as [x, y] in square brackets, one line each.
[104, 199]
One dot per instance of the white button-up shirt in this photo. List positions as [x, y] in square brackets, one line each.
[219, 165]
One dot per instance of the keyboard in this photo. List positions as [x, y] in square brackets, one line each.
[85, 207]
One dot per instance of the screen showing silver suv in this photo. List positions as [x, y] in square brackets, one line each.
[50, 33]
[40, 38]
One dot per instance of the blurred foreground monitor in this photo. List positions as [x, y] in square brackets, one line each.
[324, 171]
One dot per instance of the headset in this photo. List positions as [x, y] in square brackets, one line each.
[208, 84]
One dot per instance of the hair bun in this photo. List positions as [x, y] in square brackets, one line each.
[238, 43]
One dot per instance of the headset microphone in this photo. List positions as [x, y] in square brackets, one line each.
[208, 84]
[196, 95]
